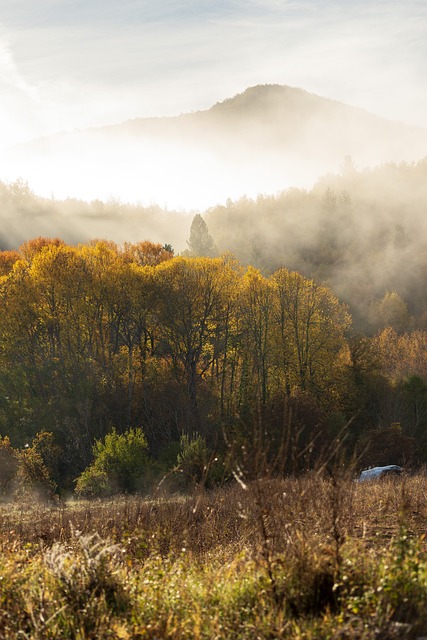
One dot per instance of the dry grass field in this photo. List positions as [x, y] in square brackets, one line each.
[310, 557]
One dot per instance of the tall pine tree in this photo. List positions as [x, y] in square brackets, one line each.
[200, 242]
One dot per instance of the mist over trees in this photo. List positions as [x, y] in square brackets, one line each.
[25, 215]
[361, 232]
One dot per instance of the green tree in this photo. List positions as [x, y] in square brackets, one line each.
[200, 242]
[120, 464]
[51, 453]
[256, 302]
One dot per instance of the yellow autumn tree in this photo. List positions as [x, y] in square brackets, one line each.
[256, 304]
[193, 311]
[310, 330]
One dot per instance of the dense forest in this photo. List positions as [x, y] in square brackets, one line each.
[195, 359]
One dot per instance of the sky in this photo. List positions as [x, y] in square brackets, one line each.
[67, 64]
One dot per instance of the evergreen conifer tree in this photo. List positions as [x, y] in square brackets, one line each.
[200, 242]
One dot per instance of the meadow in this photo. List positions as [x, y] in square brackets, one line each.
[309, 557]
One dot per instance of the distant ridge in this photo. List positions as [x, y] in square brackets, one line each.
[261, 102]
[262, 140]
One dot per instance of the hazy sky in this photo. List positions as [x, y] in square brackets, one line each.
[77, 63]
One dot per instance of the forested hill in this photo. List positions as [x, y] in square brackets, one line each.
[266, 139]
[284, 120]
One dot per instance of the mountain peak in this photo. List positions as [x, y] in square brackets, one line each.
[261, 94]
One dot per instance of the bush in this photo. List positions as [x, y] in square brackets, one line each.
[192, 459]
[93, 483]
[8, 467]
[196, 464]
[121, 465]
[33, 476]
[51, 453]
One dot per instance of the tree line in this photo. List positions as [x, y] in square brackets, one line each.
[360, 231]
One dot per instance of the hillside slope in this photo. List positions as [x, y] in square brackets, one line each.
[266, 139]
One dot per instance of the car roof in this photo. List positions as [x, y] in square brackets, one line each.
[377, 472]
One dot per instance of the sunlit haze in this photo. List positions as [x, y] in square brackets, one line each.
[77, 64]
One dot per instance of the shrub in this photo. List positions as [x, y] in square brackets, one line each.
[33, 476]
[196, 464]
[51, 453]
[93, 483]
[8, 467]
[120, 465]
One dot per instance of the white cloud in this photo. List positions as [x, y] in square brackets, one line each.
[9, 72]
